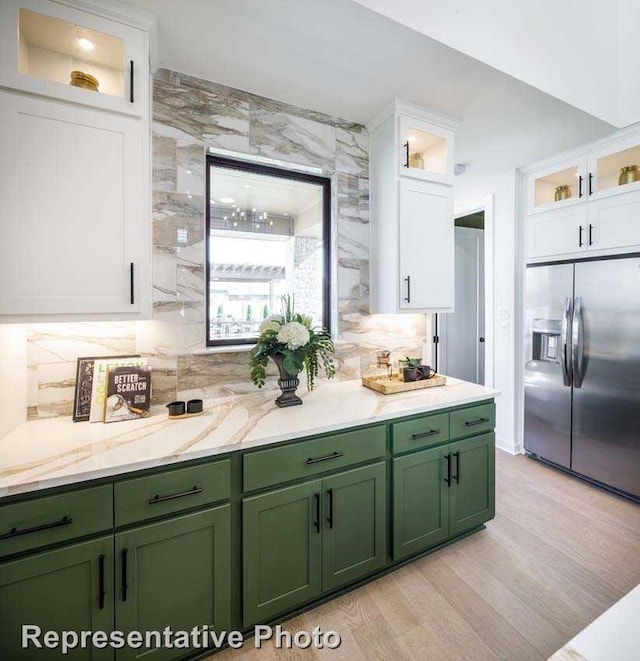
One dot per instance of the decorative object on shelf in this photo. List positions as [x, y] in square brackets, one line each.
[82, 395]
[380, 368]
[84, 80]
[294, 344]
[562, 193]
[101, 367]
[394, 384]
[629, 174]
[416, 161]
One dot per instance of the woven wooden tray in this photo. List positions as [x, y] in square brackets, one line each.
[391, 385]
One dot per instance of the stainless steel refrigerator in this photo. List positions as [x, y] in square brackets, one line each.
[582, 372]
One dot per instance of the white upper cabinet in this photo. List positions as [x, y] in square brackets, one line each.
[586, 203]
[75, 232]
[42, 42]
[75, 197]
[412, 238]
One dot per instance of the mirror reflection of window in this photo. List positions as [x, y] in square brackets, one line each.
[268, 235]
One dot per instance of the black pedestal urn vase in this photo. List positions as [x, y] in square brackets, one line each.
[288, 383]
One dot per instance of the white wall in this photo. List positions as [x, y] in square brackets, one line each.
[629, 69]
[469, 194]
[568, 49]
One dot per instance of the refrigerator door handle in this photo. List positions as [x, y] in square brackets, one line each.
[566, 343]
[577, 338]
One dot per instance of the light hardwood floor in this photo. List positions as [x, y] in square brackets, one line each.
[558, 553]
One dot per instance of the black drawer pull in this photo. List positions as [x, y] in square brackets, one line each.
[473, 423]
[448, 478]
[101, 591]
[330, 517]
[14, 532]
[316, 523]
[173, 496]
[456, 477]
[431, 432]
[317, 460]
[124, 585]
[132, 288]
[130, 81]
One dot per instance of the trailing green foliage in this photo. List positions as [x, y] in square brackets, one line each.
[301, 345]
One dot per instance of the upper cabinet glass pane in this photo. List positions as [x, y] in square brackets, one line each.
[618, 169]
[557, 186]
[426, 151]
[70, 54]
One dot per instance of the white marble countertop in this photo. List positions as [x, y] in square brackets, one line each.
[56, 451]
[614, 636]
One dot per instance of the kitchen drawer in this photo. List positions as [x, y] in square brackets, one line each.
[422, 432]
[52, 519]
[174, 491]
[474, 420]
[308, 458]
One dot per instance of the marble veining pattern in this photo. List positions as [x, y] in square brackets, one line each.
[47, 453]
[191, 115]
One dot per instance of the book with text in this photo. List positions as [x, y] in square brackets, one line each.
[128, 394]
[101, 368]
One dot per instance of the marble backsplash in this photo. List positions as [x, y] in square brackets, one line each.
[189, 117]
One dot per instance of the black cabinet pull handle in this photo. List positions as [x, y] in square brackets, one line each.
[406, 146]
[580, 236]
[131, 283]
[316, 523]
[15, 532]
[172, 496]
[590, 234]
[448, 478]
[330, 515]
[131, 81]
[456, 477]
[124, 586]
[101, 592]
[408, 281]
[580, 178]
[473, 423]
[590, 183]
[317, 460]
[431, 432]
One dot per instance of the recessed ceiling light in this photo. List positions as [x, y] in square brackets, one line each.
[86, 44]
[235, 224]
[227, 200]
[271, 223]
[247, 186]
[254, 210]
[188, 171]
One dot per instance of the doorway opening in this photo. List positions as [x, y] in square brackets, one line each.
[460, 347]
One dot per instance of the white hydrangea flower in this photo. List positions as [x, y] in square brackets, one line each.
[270, 324]
[294, 335]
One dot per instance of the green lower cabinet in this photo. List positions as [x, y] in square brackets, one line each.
[472, 499]
[69, 589]
[282, 550]
[355, 515]
[421, 501]
[174, 573]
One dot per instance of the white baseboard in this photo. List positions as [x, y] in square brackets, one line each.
[508, 446]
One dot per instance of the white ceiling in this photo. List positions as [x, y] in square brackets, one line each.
[338, 57]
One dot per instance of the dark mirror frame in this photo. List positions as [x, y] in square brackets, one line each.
[292, 175]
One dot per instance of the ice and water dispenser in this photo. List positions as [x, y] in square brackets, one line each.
[547, 344]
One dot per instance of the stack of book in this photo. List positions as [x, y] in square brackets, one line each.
[111, 389]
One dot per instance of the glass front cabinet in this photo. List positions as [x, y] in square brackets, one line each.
[58, 51]
[425, 150]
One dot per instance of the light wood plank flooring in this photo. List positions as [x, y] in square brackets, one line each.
[558, 554]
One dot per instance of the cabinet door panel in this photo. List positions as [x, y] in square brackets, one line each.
[177, 575]
[472, 497]
[420, 502]
[57, 591]
[426, 246]
[557, 232]
[614, 221]
[354, 535]
[281, 550]
[71, 208]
